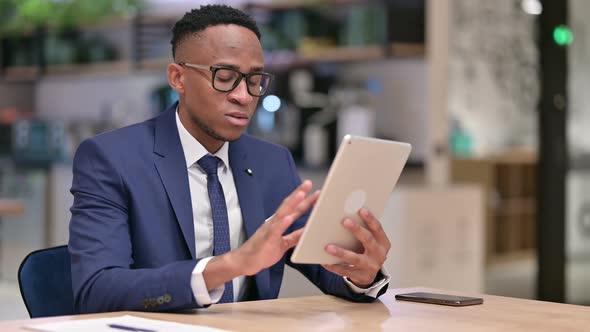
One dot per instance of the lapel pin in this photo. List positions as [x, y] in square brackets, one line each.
[249, 171]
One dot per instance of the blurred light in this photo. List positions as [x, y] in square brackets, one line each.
[374, 86]
[265, 121]
[271, 103]
[533, 7]
[562, 35]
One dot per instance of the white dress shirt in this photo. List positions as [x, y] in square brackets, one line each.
[203, 221]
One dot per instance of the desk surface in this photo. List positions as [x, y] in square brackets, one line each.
[11, 207]
[327, 313]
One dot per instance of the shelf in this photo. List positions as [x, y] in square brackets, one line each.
[21, 73]
[11, 207]
[114, 22]
[298, 4]
[280, 60]
[30, 73]
[160, 19]
[108, 23]
[333, 55]
[344, 54]
[509, 181]
[513, 256]
[365, 53]
[275, 61]
[347, 54]
[283, 60]
[407, 50]
[111, 67]
[515, 156]
[155, 64]
[515, 206]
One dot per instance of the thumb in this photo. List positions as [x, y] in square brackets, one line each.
[291, 240]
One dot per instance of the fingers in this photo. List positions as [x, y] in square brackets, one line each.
[375, 228]
[304, 205]
[361, 233]
[347, 256]
[359, 277]
[375, 251]
[361, 268]
[359, 263]
[358, 267]
[294, 198]
[290, 240]
[296, 212]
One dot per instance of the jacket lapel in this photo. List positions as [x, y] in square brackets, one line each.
[251, 202]
[171, 166]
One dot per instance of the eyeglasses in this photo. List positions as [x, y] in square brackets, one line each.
[225, 79]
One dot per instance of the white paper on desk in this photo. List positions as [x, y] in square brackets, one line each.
[102, 325]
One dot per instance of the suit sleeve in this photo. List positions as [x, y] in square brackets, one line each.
[103, 277]
[326, 281]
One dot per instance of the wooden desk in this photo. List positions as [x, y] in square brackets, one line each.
[326, 313]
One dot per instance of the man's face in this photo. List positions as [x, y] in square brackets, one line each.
[214, 117]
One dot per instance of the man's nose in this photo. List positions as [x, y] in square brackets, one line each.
[240, 93]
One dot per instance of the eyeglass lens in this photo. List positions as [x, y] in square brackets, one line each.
[225, 80]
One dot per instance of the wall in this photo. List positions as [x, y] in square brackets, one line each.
[578, 176]
[23, 234]
[493, 80]
[401, 105]
[19, 234]
[92, 97]
[579, 79]
[118, 100]
[15, 94]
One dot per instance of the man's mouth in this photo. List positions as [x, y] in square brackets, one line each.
[238, 118]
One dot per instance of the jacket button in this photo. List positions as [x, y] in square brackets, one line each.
[160, 300]
[167, 298]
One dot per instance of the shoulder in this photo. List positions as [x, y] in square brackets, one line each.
[127, 135]
[121, 142]
[273, 159]
[255, 144]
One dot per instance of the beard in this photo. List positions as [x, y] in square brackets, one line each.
[211, 132]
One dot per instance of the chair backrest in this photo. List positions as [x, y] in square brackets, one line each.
[45, 282]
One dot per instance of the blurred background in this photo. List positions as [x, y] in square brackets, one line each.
[492, 95]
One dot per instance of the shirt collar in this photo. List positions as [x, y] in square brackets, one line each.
[194, 150]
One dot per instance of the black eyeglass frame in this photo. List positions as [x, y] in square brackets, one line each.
[241, 76]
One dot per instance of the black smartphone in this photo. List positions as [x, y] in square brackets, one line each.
[444, 299]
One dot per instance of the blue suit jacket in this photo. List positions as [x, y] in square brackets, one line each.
[132, 239]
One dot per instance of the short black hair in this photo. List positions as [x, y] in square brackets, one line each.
[198, 20]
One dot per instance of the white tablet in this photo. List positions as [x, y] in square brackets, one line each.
[363, 174]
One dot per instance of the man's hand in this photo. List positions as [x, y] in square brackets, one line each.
[361, 268]
[267, 245]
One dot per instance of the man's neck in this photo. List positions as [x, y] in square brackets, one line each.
[212, 145]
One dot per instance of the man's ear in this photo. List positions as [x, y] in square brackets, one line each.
[175, 75]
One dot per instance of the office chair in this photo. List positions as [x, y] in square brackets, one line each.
[45, 282]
